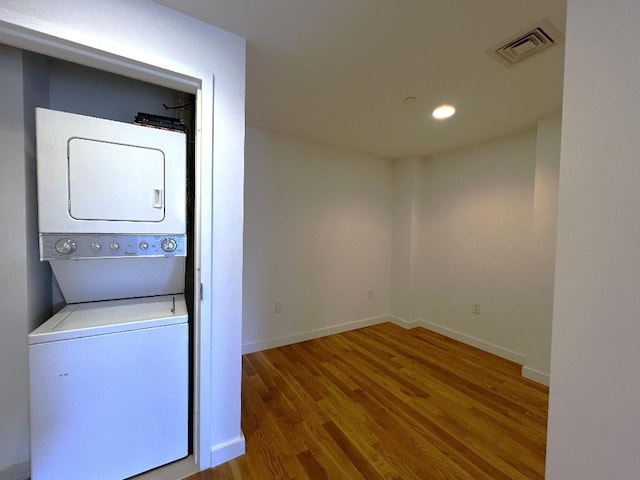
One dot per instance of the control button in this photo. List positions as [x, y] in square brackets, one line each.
[114, 245]
[65, 246]
[143, 245]
[95, 246]
[168, 244]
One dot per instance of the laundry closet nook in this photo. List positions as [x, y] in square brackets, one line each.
[111, 370]
[45, 49]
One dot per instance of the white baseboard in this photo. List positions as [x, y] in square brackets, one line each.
[183, 468]
[21, 471]
[310, 335]
[475, 342]
[535, 375]
[227, 451]
[401, 322]
[516, 357]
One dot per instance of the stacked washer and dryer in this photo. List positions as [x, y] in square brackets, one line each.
[109, 372]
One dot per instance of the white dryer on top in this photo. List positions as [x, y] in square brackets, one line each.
[102, 176]
[111, 206]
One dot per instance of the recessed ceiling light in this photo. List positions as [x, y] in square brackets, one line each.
[410, 99]
[443, 111]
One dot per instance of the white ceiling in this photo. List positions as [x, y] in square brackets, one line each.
[337, 71]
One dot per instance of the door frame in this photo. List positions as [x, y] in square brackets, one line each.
[202, 87]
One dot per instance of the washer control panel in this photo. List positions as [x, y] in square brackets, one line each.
[77, 246]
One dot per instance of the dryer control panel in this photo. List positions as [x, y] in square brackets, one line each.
[54, 246]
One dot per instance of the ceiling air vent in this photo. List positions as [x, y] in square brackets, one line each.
[526, 45]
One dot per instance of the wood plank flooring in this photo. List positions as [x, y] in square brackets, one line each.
[383, 402]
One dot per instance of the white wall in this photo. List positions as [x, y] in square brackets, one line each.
[317, 238]
[103, 35]
[594, 414]
[405, 250]
[476, 225]
[472, 226]
[475, 239]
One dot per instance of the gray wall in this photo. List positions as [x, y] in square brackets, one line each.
[25, 283]
[78, 89]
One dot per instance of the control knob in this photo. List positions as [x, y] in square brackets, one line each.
[168, 245]
[65, 246]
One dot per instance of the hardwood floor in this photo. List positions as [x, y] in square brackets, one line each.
[387, 403]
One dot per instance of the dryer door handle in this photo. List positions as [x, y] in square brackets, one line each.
[158, 198]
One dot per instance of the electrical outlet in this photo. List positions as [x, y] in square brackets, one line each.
[475, 308]
[278, 308]
[370, 293]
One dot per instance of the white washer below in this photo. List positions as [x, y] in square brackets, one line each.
[109, 389]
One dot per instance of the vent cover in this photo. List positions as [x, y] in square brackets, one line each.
[527, 45]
